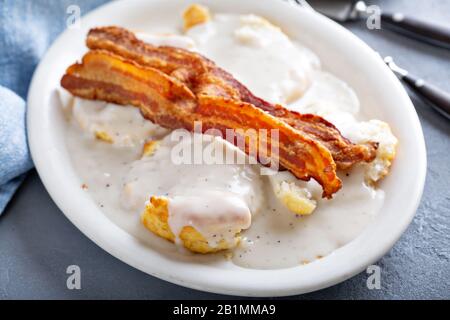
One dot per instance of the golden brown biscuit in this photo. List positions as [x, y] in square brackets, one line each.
[195, 14]
[155, 218]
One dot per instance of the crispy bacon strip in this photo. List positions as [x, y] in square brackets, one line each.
[202, 76]
[169, 102]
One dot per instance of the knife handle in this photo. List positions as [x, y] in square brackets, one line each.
[430, 32]
[437, 98]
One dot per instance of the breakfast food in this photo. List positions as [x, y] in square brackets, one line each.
[306, 152]
[156, 216]
[195, 14]
[297, 199]
[191, 194]
[136, 94]
[204, 78]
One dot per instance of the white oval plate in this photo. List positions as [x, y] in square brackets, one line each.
[342, 53]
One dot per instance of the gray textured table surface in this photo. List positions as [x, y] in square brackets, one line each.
[37, 242]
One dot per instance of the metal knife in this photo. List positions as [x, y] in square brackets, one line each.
[436, 98]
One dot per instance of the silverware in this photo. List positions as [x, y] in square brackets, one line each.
[436, 98]
[348, 10]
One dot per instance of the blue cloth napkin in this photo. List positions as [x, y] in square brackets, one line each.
[27, 28]
[14, 156]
